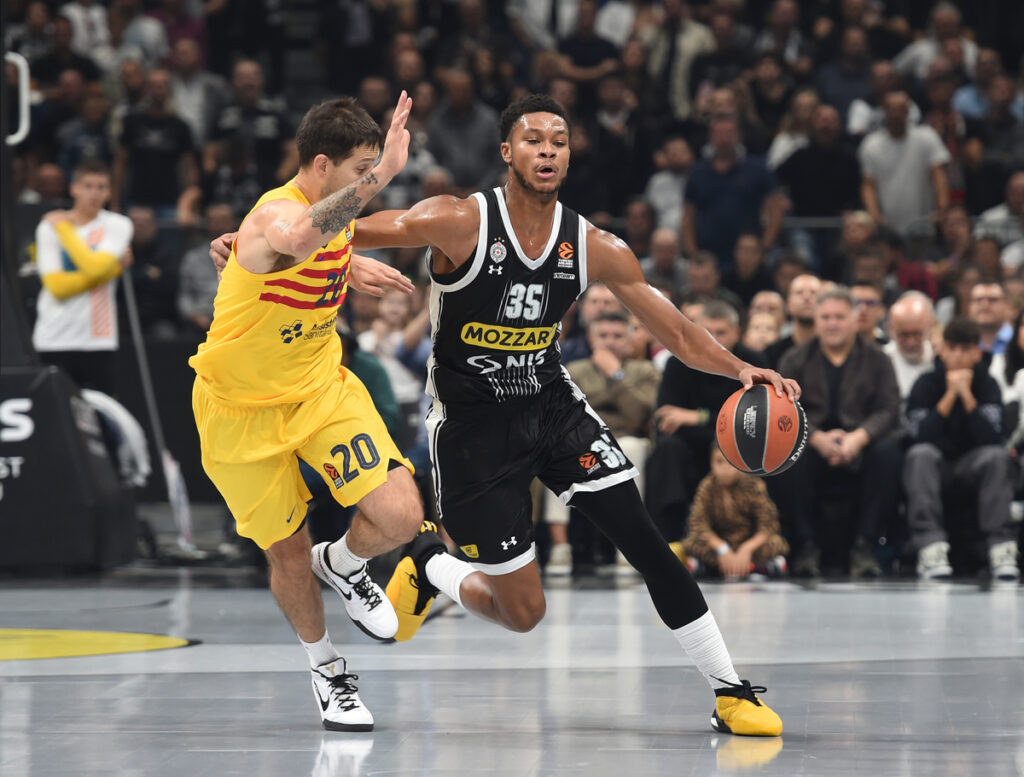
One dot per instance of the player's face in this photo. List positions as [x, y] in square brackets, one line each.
[349, 170]
[538, 152]
[91, 191]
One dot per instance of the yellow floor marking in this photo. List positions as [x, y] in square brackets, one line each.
[20, 644]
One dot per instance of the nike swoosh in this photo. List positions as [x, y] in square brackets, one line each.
[324, 703]
[292, 513]
[347, 596]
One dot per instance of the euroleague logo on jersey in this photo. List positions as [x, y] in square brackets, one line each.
[565, 254]
[589, 462]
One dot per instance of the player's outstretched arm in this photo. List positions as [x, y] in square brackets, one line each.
[300, 235]
[446, 223]
[610, 260]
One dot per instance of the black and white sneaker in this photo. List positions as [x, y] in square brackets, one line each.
[365, 602]
[341, 709]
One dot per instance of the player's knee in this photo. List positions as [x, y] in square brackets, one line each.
[525, 614]
[408, 519]
[290, 557]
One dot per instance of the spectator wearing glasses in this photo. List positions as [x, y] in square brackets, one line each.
[870, 308]
[988, 309]
[911, 321]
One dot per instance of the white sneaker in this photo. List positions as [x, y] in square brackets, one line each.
[1002, 560]
[341, 709]
[560, 561]
[933, 561]
[365, 602]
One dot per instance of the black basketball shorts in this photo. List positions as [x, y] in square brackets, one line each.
[486, 455]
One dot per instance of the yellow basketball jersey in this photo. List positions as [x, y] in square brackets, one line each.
[273, 338]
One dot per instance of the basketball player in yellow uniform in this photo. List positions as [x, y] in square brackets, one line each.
[270, 389]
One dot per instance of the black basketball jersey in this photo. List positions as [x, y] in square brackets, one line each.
[495, 320]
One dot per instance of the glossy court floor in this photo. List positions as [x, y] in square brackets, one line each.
[870, 679]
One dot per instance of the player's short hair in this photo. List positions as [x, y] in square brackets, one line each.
[531, 103]
[89, 167]
[961, 331]
[335, 128]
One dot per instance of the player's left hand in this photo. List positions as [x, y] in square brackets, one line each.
[749, 376]
[375, 278]
[220, 250]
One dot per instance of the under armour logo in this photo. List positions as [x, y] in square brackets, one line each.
[510, 543]
[494, 269]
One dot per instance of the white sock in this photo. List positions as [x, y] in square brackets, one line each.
[321, 651]
[342, 560]
[447, 573]
[703, 643]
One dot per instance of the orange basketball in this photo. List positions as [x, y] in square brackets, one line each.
[760, 432]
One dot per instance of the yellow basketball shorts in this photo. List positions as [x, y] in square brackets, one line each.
[252, 453]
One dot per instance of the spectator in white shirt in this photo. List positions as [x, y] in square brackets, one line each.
[904, 179]
[911, 321]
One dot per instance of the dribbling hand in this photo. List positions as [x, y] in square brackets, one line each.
[749, 376]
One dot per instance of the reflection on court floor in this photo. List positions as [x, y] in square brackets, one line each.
[884, 679]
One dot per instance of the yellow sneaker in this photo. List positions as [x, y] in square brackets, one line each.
[409, 590]
[739, 711]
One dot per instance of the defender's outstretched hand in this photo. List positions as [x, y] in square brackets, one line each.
[396, 144]
[372, 277]
[220, 250]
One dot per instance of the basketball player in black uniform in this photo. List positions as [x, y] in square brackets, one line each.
[505, 265]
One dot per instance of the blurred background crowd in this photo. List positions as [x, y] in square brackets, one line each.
[834, 188]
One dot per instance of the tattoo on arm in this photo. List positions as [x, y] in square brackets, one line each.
[335, 212]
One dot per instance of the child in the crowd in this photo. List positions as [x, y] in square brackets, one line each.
[733, 528]
[762, 331]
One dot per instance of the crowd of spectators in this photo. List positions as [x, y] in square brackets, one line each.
[832, 188]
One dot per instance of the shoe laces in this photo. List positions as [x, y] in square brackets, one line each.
[741, 690]
[367, 591]
[343, 688]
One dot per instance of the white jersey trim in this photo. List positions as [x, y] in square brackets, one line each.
[600, 484]
[478, 257]
[583, 270]
[556, 226]
[433, 422]
[507, 567]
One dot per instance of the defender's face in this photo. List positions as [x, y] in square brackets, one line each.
[349, 170]
[538, 152]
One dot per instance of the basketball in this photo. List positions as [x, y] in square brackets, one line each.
[760, 432]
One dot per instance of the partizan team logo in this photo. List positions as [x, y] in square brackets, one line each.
[498, 251]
